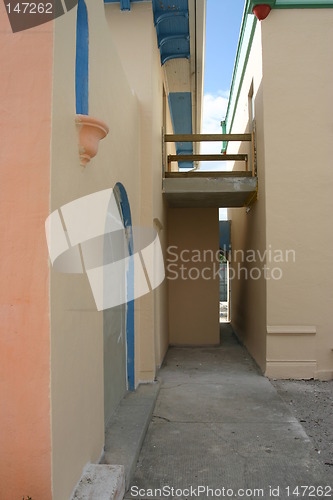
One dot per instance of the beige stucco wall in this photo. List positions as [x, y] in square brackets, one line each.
[193, 303]
[289, 315]
[248, 230]
[135, 38]
[76, 326]
[298, 103]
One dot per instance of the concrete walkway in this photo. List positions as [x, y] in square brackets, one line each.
[218, 423]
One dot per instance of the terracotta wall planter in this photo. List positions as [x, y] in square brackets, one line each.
[92, 130]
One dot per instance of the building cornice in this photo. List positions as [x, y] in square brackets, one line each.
[246, 36]
[290, 4]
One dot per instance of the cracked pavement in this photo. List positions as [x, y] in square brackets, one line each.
[219, 423]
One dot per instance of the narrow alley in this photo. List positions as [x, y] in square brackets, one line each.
[218, 423]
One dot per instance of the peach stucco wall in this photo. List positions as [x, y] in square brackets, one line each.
[25, 113]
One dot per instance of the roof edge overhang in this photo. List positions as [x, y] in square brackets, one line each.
[184, 76]
[197, 11]
[248, 27]
[181, 30]
[290, 4]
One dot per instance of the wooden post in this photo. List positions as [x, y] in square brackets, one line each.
[163, 155]
[206, 137]
[208, 157]
[254, 153]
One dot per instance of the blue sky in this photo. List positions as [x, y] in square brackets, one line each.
[224, 18]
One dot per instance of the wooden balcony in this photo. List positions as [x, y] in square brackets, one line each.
[196, 188]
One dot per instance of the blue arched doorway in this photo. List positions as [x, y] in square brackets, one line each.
[118, 321]
[121, 196]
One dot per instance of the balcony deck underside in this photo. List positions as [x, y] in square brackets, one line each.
[209, 189]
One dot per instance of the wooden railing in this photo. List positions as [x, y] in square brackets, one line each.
[214, 157]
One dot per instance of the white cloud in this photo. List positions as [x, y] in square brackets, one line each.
[214, 110]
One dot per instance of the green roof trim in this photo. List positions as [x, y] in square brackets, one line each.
[303, 4]
[290, 4]
[251, 3]
[247, 31]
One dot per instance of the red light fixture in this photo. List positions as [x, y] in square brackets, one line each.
[261, 11]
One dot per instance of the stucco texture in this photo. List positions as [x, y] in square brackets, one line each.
[286, 321]
[25, 130]
[298, 79]
[248, 230]
[77, 358]
[193, 303]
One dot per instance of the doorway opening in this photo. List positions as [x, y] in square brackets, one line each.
[122, 198]
[224, 275]
[118, 321]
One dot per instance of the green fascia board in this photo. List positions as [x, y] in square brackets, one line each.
[303, 4]
[224, 143]
[290, 4]
[247, 31]
[248, 27]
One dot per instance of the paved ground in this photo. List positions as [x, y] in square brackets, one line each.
[311, 401]
[219, 423]
[127, 428]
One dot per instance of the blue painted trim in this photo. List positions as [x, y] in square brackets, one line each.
[171, 20]
[162, 41]
[168, 57]
[180, 104]
[82, 60]
[160, 18]
[124, 4]
[130, 332]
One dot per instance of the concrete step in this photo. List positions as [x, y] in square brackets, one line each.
[102, 482]
[127, 429]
